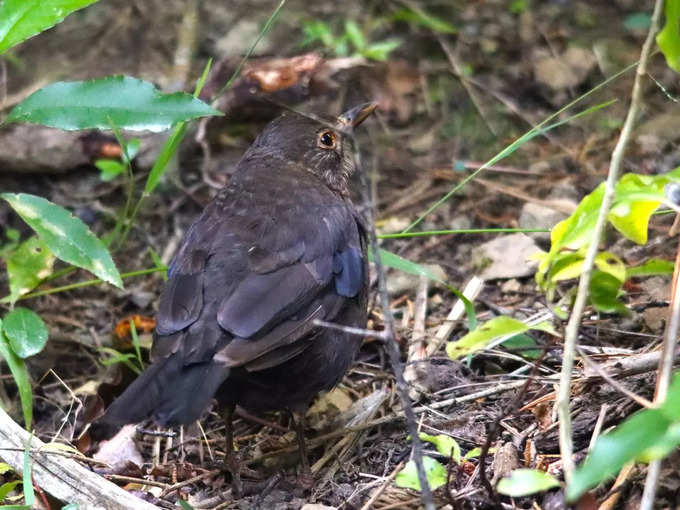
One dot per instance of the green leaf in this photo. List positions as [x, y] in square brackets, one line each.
[380, 50]
[652, 267]
[446, 445]
[21, 19]
[4, 468]
[25, 331]
[185, 505]
[21, 378]
[421, 17]
[167, 152]
[523, 342]
[6, 488]
[121, 101]
[434, 471]
[110, 168]
[638, 21]
[30, 263]
[70, 506]
[524, 482]
[604, 293]
[317, 31]
[669, 37]
[65, 235]
[355, 35]
[29, 494]
[476, 452]
[485, 335]
[643, 435]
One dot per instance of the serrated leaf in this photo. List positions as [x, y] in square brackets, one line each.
[21, 19]
[446, 445]
[27, 265]
[668, 38]
[21, 378]
[67, 237]
[115, 101]
[26, 332]
[434, 471]
[524, 482]
[491, 332]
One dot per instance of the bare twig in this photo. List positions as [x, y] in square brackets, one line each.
[664, 378]
[390, 343]
[613, 382]
[414, 373]
[376, 494]
[369, 333]
[571, 334]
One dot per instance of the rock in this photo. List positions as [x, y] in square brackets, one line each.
[460, 222]
[505, 461]
[399, 282]
[317, 506]
[657, 287]
[393, 225]
[506, 257]
[539, 216]
[568, 70]
[240, 37]
[511, 286]
[655, 318]
[30, 148]
[662, 129]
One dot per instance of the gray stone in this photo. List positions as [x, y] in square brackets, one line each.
[506, 257]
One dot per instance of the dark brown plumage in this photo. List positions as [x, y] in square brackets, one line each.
[280, 246]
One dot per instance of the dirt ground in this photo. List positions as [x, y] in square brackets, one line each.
[448, 102]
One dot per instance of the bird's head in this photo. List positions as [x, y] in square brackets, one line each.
[313, 146]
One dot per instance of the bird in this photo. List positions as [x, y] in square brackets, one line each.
[280, 246]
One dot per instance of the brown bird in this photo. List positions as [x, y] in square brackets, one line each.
[279, 247]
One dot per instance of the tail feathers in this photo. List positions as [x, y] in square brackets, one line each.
[167, 391]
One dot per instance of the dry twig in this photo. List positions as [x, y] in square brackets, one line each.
[63, 478]
[571, 333]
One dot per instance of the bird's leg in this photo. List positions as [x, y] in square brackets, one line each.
[305, 479]
[231, 463]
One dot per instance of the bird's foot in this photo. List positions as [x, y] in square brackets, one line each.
[305, 480]
[232, 465]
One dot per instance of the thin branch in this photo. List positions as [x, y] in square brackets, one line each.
[571, 334]
[62, 477]
[390, 343]
[663, 380]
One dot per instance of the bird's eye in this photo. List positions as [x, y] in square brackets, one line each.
[326, 140]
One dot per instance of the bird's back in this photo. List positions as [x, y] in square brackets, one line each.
[275, 250]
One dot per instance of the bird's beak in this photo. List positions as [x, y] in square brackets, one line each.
[355, 116]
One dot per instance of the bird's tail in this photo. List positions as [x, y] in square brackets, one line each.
[168, 391]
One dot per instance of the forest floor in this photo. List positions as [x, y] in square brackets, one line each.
[448, 102]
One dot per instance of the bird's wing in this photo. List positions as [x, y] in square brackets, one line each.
[253, 275]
